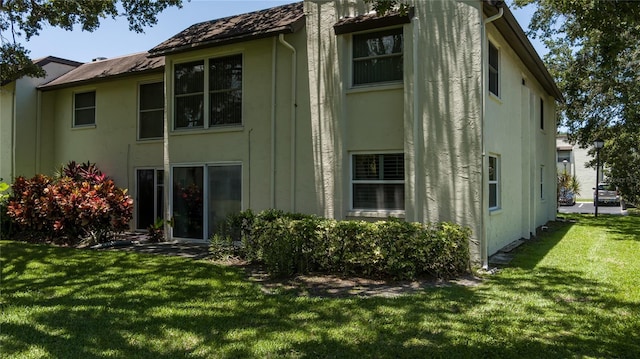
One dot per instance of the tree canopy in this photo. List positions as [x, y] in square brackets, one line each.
[595, 59]
[25, 18]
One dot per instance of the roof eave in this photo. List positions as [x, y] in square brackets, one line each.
[510, 29]
[47, 87]
[287, 29]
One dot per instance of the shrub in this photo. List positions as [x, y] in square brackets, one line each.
[296, 243]
[68, 208]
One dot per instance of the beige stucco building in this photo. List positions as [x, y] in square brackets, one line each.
[444, 113]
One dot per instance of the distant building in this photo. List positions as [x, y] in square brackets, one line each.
[577, 159]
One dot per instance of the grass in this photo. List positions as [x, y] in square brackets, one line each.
[575, 292]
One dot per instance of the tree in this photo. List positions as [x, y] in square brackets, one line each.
[26, 18]
[595, 58]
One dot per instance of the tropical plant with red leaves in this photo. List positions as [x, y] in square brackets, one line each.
[82, 203]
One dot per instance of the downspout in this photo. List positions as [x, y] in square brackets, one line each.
[38, 129]
[166, 162]
[13, 133]
[294, 92]
[274, 59]
[417, 133]
[484, 73]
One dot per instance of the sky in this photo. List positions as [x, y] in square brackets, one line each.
[113, 38]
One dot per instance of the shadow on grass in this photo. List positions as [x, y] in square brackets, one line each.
[75, 304]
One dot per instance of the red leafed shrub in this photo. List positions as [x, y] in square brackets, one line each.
[70, 207]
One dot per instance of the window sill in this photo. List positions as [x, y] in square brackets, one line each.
[386, 86]
[84, 127]
[150, 140]
[216, 129]
[495, 98]
[376, 214]
[495, 211]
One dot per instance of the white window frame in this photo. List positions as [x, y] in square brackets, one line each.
[94, 107]
[379, 211]
[205, 191]
[491, 69]
[496, 182]
[206, 94]
[351, 44]
[140, 110]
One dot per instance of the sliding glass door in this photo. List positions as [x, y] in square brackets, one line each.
[220, 197]
[149, 199]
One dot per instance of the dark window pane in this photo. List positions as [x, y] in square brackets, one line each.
[145, 199]
[225, 73]
[366, 167]
[189, 111]
[225, 194]
[152, 96]
[160, 194]
[188, 202]
[378, 196]
[378, 43]
[493, 70]
[85, 117]
[189, 78]
[377, 57]
[226, 108]
[393, 167]
[87, 99]
[493, 170]
[151, 124]
[493, 195]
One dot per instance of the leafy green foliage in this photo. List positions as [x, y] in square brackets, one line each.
[289, 243]
[28, 17]
[68, 208]
[594, 51]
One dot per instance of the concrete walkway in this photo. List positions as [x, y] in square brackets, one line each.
[138, 242]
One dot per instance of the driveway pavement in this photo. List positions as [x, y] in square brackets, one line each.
[589, 208]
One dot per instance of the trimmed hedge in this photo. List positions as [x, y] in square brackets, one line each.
[293, 243]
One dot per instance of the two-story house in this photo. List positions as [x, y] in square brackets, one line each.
[445, 113]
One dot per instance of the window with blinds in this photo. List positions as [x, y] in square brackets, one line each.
[377, 57]
[221, 80]
[378, 181]
[151, 107]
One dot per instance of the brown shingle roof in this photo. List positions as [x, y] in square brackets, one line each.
[107, 69]
[371, 21]
[254, 25]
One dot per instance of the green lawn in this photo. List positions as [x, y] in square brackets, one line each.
[573, 293]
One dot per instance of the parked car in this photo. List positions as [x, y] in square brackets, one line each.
[607, 194]
[566, 197]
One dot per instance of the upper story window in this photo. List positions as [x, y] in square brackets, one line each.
[494, 63]
[377, 57]
[225, 90]
[189, 93]
[84, 109]
[378, 181]
[222, 106]
[151, 115]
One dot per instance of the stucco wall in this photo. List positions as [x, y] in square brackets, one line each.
[111, 143]
[525, 150]
[267, 178]
[447, 137]
[6, 131]
[433, 116]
